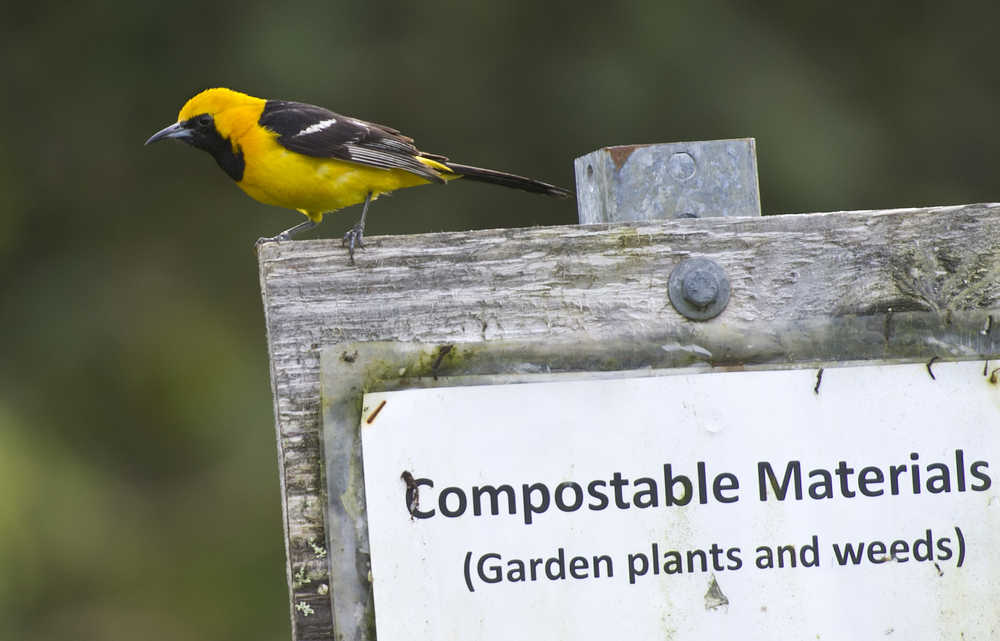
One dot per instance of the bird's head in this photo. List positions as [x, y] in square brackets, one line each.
[203, 120]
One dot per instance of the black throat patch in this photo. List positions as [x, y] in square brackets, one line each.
[206, 137]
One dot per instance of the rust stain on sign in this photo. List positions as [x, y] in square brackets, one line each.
[378, 409]
[621, 153]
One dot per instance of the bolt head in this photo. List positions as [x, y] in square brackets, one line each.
[698, 288]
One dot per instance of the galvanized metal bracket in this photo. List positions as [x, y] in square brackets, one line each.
[635, 183]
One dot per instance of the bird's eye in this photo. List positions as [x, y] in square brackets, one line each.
[204, 120]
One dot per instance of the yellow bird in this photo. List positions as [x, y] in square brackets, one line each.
[310, 159]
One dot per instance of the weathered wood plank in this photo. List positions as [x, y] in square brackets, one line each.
[901, 284]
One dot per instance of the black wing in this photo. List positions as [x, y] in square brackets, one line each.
[314, 131]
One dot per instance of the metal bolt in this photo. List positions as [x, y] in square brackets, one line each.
[698, 289]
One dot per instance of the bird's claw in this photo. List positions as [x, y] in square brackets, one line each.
[353, 238]
[272, 239]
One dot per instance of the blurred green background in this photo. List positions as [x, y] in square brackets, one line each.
[138, 481]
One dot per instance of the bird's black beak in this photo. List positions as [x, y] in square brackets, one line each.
[176, 130]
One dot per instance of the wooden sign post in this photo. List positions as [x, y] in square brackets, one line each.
[596, 302]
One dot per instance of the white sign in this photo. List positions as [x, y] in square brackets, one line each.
[747, 505]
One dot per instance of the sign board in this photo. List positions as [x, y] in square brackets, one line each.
[847, 504]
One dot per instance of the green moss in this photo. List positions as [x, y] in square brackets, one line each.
[350, 498]
[630, 237]
[370, 622]
[446, 359]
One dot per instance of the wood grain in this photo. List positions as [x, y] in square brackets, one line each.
[903, 284]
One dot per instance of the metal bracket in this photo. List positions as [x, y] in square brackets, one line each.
[633, 183]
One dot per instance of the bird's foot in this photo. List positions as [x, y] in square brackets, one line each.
[354, 238]
[273, 239]
[287, 234]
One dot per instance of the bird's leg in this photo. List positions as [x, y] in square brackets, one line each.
[288, 233]
[355, 235]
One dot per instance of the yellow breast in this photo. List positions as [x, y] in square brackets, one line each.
[314, 186]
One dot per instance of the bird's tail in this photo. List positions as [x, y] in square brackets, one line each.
[508, 180]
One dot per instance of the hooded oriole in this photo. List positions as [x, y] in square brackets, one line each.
[307, 158]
